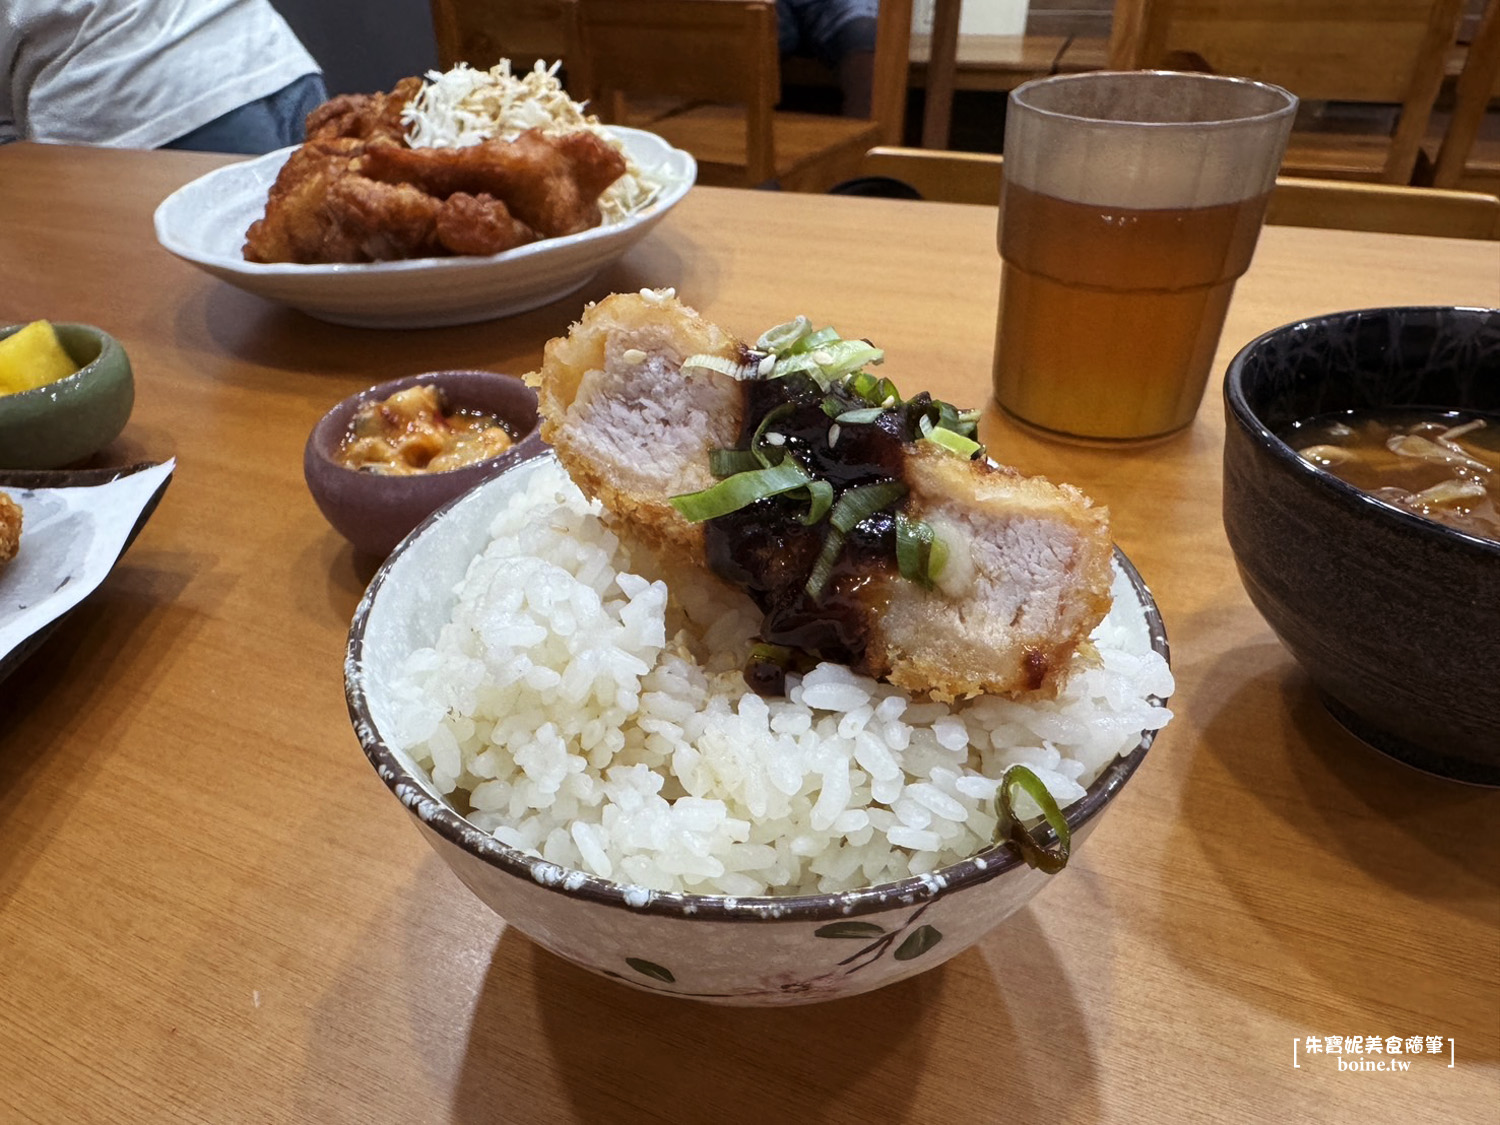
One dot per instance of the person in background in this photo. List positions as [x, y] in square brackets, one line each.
[212, 75]
[841, 33]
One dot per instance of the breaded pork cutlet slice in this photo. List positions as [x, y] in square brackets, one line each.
[1026, 573]
[630, 426]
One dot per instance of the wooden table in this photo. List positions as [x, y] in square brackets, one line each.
[211, 910]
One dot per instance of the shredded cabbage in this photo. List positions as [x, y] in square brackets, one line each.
[464, 106]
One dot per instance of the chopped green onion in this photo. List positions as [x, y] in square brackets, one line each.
[814, 340]
[830, 361]
[772, 654]
[861, 502]
[1018, 835]
[921, 553]
[820, 494]
[859, 417]
[757, 440]
[722, 365]
[947, 416]
[876, 390]
[800, 364]
[937, 558]
[784, 337]
[726, 462]
[913, 549]
[854, 507]
[740, 491]
[954, 443]
[822, 571]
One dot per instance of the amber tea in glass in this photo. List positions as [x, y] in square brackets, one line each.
[1132, 203]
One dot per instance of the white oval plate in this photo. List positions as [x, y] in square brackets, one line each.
[204, 223]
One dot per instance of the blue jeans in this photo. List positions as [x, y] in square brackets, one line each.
[828, 30]
[272, 122]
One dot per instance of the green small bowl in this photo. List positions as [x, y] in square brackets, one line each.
[63, 422]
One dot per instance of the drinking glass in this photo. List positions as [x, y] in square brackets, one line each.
[1132, 203]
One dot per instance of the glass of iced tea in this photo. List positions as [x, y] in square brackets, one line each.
[1131, 205]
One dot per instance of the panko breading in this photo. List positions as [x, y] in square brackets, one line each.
[10, 528]
[1027, 572]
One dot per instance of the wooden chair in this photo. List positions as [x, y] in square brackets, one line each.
[892, 69]
[1357, 51]
[972, 177]
[720, 57]
[1478, 83]
[482, 32]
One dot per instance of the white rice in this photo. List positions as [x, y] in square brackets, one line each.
[580, 713]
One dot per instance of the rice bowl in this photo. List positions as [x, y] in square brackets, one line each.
[617, 924]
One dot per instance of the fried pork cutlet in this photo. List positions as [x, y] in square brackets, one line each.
[924, 564]
[10, 528]
[552, 184]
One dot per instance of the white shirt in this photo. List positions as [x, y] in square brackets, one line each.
[137, 73]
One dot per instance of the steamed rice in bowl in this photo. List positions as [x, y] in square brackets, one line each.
[582, 703]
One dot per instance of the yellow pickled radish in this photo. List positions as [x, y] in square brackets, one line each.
[32, 357]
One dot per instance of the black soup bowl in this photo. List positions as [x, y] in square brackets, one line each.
[1394, 617]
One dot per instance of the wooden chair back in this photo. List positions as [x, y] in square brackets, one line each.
[971, 177]
[892, 68]
[482, 32]
[718, 51]
[1478, 83]
[1378, 51]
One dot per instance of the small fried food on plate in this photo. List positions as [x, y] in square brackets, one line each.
[10, 528]
[869, 530]
[467, 163]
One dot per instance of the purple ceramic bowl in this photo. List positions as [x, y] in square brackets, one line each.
[375, 512]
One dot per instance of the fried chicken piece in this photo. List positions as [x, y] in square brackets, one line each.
[355, 192]
[381, 222]
[10, 528]
[295, 227]
[1028, 573]
[364, 117]
[550, 184]
[320, 210]
[479, 224]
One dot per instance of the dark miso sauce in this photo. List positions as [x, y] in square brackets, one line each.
[1444, 465]
[767, 550]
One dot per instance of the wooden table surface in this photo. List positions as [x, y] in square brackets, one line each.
[211, 910]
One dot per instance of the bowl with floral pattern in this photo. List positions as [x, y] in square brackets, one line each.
[758, 950]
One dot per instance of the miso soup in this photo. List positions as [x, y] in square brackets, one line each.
[1442, 465]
